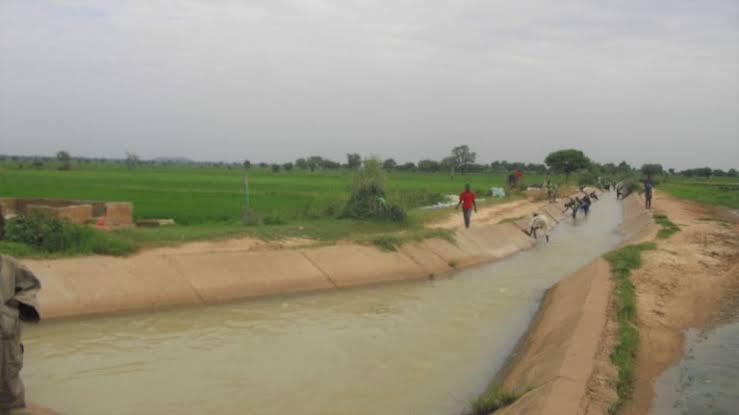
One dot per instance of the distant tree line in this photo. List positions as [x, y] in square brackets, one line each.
[460, 160]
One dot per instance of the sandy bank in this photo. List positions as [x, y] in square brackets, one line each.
[211, 272]
[690, 281]
[562, 365]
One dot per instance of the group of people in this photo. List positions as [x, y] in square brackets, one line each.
[580, 203]
[539, 225]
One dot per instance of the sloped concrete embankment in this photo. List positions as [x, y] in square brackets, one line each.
[556, 361]
[93, 285]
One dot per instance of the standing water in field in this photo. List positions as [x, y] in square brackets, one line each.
[416, 348]
[707, 380]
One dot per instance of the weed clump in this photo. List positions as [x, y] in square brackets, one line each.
[668, 227]
[623, 261]
[368, 199]
[491, 401]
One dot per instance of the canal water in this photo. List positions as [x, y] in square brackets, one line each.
[706, 382]
[414, 348]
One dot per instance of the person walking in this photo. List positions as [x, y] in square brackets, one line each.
[467, 201]
[18, 289]
[648, 194]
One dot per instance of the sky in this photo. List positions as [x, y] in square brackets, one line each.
[274, 80]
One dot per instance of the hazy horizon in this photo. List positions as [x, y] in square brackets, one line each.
[277, 80]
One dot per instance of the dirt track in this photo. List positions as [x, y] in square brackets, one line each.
[690, 281]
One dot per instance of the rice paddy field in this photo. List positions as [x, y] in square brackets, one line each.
[193, 195]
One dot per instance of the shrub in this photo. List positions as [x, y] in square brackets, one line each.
[53, 235]
[368, 199]
[249, 217]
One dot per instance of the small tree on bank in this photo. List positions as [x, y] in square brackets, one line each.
[567, 161]
[368, 199]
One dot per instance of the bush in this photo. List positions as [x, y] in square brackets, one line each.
[50, 234]
[368, 199]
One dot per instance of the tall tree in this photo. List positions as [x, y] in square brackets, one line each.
[65, 160]
[132, 160]
[651, 170]
[461, 157]
[353, 161]
[389, 164]
[567, 161]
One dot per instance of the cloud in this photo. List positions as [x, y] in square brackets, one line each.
[275, 80]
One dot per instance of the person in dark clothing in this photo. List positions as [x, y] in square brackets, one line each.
[648, 194]
[467, 201]
[586, 202]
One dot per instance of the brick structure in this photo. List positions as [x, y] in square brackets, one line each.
[110, 214]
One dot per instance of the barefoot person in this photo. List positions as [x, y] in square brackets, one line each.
[538, 225]
[467, 201]
[18, 288]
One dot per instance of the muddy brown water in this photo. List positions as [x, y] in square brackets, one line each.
[417, 348]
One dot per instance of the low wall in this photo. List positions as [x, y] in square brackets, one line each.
[556, 358]
[112, 214]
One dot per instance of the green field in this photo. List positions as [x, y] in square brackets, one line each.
[206, 195]
[207, 203]
[716, 191]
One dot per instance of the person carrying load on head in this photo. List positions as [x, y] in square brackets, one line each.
[467, 201]
[538, 225]
[18, 289]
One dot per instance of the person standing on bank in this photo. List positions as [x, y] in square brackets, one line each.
[648, 186]
[467, 201]
[18, 289]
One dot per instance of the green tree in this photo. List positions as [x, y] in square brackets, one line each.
[389, 164]
[65, 159]
[732, 173]
[651, 170]
[301, 163]
[314, 162]
[461, 157]
[353, 161]
[247, 164]
[132, 160]
[624, 167]
[287, 166]
[567, 161]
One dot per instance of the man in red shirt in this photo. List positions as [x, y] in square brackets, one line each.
[467, 201]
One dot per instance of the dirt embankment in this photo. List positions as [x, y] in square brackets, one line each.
[562, 365]
[209, 272]
[690, 281]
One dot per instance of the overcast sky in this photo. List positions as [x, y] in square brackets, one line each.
[273, 80]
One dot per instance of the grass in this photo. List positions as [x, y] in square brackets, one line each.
[391, 242]
[667, 227]
[492, 400]
[715, 192]
[623, 261]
